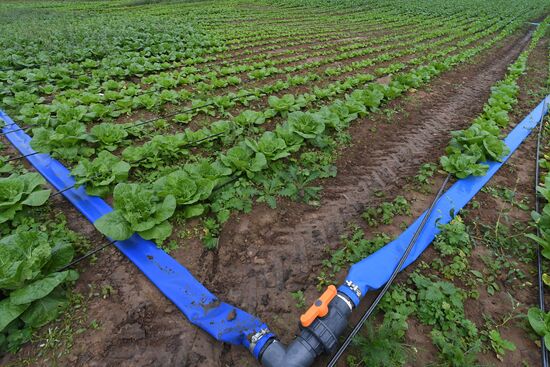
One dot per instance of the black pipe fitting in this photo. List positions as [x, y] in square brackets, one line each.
[318, 338]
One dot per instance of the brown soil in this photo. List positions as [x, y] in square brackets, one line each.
[265, 255]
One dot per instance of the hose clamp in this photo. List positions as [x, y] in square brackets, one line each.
[354, 288]
[346, 301]
[256, 338]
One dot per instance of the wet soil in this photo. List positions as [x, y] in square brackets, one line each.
[265, 255]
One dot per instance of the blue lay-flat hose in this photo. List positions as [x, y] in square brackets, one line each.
[397, 269]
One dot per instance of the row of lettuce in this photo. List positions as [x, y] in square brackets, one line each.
[470, 149]
[34, 248]
[481, 142]
[540, 319]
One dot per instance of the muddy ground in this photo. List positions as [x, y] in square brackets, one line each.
[265, 255]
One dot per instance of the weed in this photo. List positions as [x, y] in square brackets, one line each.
[385, 212]
[356, 247]
[381, 345]
[499, 344]
[299, 298]
[425, 173]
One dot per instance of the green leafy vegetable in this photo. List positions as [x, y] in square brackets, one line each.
[18, 191]
[138, 209]
[271, 146]
[284, 104]
[306, 124]
[249, 118]
[462, 165]
[108, 135]
[100, 174]
[540, 322]
[67, 141]
[243, 159]
[186, 189]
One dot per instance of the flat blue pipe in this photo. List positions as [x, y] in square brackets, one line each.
[221, 320]
[375, 270]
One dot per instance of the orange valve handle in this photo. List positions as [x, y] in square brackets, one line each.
[319, 308]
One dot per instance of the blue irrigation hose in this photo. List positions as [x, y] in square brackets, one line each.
[223, 321]
[396, 271]
[373, 272]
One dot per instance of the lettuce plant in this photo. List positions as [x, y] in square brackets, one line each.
[18, 191]
[292, 140]
[244, 160]
[463, 165]
[540, 322]
[204, 168]
[157, 151]
[355, 106]
[138, 209]
[542, 220]
[67, 141]
[271, 146]
[29, 279]
[479, 139]
[284, 104]
[187, 190]
[28, 255]
[306, 124]
[108, 135]
[371, 97]
[22, 98]
[100, 174]
[248, 118]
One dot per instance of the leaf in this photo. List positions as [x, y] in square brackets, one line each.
[61, 255]
[114, 226]
[258, 162]
[22, 256]
[223, 216]
[38, 289]
[193, 210]
[37, 198]
[166, 209]
[306, 124]
[19, 190]
[9, 312]
[240, 158]
[159, 233]
[44, 310]
[477, 273]
[537, 320]
[547, 341]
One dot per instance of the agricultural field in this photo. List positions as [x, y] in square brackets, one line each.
[265, 147]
